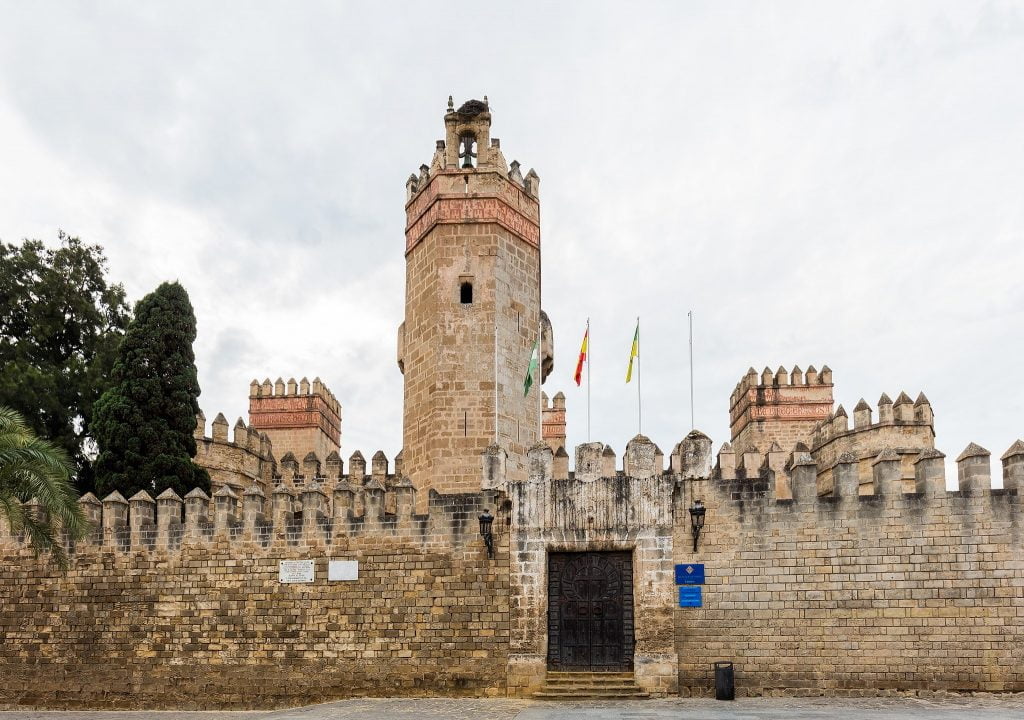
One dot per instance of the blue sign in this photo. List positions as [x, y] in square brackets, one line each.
[692, 574]
[689, 596]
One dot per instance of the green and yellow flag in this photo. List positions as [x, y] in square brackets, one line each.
[635, 352]
[531, 370]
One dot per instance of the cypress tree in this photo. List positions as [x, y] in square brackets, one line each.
[144, 423]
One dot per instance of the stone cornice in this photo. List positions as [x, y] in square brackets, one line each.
[491, 199]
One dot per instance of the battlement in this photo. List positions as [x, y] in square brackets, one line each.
[779, 407]
[794, 476]
[298, 417]
[244, 459]
[906, 427]
[304, 507]
[553, 420]
[302, 388]
[642, 458]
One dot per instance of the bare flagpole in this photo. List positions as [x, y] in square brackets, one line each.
[693, 425]
[495, 376]
[588, 379]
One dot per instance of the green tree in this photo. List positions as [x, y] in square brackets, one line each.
[34, 468]
[60, 324]
[144, 423]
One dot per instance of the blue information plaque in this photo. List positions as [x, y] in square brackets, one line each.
[692, 574]
[689, 596]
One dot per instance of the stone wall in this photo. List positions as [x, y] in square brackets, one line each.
[177, 603]
[553, 420]
[192, 615]
[778, 408]
[298, 417]
[859, 593]
[596, 509]
[238, 463]
[906, 427]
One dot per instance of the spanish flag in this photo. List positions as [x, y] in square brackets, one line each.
[583, 356]
[635, 352]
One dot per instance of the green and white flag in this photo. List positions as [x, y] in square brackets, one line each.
[531, 371]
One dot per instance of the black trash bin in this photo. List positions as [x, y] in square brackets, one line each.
[725, 682]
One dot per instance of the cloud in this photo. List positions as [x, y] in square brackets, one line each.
[819, 183]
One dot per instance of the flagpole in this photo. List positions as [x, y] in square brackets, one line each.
[496, 375]
[693, 425]
[588, 379]
[639, 410]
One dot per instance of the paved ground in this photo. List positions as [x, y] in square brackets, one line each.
[982, 707]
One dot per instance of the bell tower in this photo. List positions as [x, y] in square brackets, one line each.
[472, 309]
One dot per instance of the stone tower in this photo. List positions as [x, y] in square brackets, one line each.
[781, 407]
[472, 308]
[298, 417]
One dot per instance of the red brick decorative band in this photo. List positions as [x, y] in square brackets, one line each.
[448, 210]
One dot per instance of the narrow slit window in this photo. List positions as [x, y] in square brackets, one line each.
[466, 293]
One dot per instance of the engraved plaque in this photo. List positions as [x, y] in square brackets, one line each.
[295, 571]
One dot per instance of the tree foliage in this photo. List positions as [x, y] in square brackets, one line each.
[144, 423]
[60, 324]
[32, 468]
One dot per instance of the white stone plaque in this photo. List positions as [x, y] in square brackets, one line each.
[295, 571]
[343, 570]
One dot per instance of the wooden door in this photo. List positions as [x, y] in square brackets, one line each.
[590, 611]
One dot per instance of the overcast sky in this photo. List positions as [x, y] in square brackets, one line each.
[820, 183]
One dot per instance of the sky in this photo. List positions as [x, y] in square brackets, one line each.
[819, 183]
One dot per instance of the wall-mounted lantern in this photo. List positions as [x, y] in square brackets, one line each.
[697, 511]
[485, 532]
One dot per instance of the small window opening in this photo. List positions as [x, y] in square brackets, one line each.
[467, 151]
[466, 293]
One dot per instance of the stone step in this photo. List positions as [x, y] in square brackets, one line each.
[591, 693]
[572, 685]
[565, 682]
[582, 675]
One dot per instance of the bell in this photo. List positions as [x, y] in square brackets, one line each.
[467, 151]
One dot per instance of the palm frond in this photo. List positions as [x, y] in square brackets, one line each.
[31, 467]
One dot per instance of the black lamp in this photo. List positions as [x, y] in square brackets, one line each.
[697, 511]
[485, 532]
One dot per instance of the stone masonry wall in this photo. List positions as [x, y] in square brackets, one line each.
[196, 617]
[450, 351]
[298, 417]
[239, 463]
[778, 408]
[858, 594]
[553, 421]
[907, 427]
[596, 509]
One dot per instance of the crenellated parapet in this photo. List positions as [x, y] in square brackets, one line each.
[907, 427]
[592, 501]
[316, 512]
[778, 407]
[243, 458]
[796, 476]
[600, 494]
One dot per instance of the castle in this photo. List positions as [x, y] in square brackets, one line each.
[817, 556]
